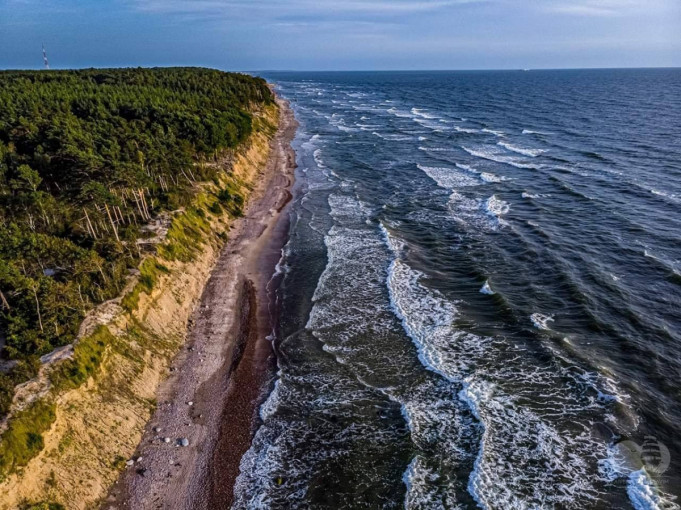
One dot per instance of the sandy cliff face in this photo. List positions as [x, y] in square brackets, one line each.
[99, 424]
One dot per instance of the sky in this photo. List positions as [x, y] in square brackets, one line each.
[251, 35]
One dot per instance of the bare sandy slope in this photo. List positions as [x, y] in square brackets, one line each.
[217, 380]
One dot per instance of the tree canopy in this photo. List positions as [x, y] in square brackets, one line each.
[86, 158]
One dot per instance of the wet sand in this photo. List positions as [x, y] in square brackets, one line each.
[226, 367]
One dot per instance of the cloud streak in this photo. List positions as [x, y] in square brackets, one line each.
[601, 8]
[297, 6]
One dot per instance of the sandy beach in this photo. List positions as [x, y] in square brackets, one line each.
[220, 377]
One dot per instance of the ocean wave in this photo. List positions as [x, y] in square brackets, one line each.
[489, 177]
[436, 149]
[400, 113]
[317, 155]
[623, 462]
[671, 196]
[644, 495]
[392, 137]
[309, 144]
[541, 321]
[531, 132]
[367, 127]
[347, 129]
[484, 176]
[422, 113]
[489, 154]
[427, 319]
[422, 488]
[465, 130]
[430, 124]
[486, 289]
[493, 132]
[533, 153]
[447, 178]
[526, 194]
[524, 459]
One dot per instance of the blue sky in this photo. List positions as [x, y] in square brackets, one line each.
[353, 34]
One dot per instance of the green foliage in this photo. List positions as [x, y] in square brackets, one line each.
[82, 151]
[232, 198]
[43, 505]
[185, 235]
[23, 438]
[150, 270]
[87, 356]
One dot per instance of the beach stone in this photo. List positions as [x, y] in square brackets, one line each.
[157, 429]
[166, 440]
[129, 462]
[184, 441]
[190, 403]
[138, 459]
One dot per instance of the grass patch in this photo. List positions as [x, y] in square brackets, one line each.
[185, 235]
[232, 198]
[87, 356]
[150, 271]
[44, 505]
[23, 439]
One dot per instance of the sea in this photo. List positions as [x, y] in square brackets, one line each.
[480, 298]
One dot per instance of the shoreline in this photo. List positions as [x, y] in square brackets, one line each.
[219, 378]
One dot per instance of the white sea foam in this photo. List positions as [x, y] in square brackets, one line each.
[525, 151]
[541, 321]
[671, 196]
[448, 178]
[488, 177]
[490, 154]
[496, 207]
[268, 407]
[493, 132]
[317, 154]
[486, 289]
[436, 149]
[644, 495]
[346, 129]
[531, 132]
[416, 478]
[465, 130]
[526, 194]
[422, 113]
[392, 137]
[485, 176]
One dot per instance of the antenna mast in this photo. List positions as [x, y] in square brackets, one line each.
[47, 64]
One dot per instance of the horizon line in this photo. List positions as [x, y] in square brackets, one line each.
[490, 69]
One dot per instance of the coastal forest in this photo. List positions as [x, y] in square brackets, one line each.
[88, 158]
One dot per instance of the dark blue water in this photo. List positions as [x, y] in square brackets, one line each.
[481, 294]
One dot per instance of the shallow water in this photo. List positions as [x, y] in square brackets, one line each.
[481, 294]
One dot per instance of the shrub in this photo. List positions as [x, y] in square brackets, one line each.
[23, 438]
